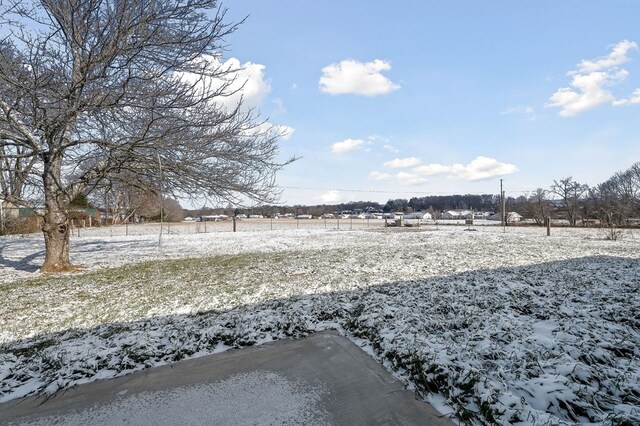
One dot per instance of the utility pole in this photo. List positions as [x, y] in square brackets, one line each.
[161, 201]
[502, 204]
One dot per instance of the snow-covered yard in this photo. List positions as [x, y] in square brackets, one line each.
[511, 327]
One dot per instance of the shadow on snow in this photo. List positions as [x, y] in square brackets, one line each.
[473, 337]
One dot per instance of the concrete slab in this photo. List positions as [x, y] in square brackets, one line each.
[323, 379]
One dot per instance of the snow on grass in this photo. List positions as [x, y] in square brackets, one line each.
[499, 327]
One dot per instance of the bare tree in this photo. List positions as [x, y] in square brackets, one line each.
[617, 200]
[152, 207]
[571, 194]
[541, 206]
[90, 89]
[538, 205]
[605, 205]
[125, 198]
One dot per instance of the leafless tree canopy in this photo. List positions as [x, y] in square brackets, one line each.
[617, 200]
[570, 192]
[93, 91]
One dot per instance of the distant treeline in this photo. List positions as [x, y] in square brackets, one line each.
[613, 203]
[484, 202]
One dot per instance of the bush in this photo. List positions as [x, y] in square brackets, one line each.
[20, 225]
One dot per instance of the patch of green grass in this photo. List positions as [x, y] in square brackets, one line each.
[59, 302]
[173, 286]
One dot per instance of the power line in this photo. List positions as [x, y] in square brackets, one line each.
[374, 191]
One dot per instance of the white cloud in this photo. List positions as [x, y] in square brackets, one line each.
[285, 132]
[249, 82]
[332, 196]
[478, 169]
[484, 168]
[409, 179]
[282, 131]
[246, 83]
[347, 145]
[400, 178]
[590, 83]
[633, 100]
[527, 111]
[518, 110]
[353, 77]
[279, 108]
[377, 138]
[587, 91]
[400, 163]
[618, 56]
[432, 169]
[380, 176]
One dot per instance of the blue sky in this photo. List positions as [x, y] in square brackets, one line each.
[393, 99]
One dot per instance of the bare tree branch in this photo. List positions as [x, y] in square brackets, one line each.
[102, 89]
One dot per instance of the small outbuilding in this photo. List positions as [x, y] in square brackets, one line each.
[512, 217]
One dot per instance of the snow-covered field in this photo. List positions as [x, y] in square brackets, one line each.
[511, 327]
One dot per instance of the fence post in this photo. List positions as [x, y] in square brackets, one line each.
[234, 223]
[548, 223]
[126, 229]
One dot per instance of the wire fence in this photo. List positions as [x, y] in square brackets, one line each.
[253, 225]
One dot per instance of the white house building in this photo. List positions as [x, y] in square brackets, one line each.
[512, 217]
[457, 214]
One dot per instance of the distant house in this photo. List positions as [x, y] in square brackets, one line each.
[457, 214]
[366, 216]
[304, 216]
[84, 213]
[512, 217]
[417, 215]
[214, 218]
[482, 215]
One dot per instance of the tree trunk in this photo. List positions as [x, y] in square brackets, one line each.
[56, 222]
[56, 240]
